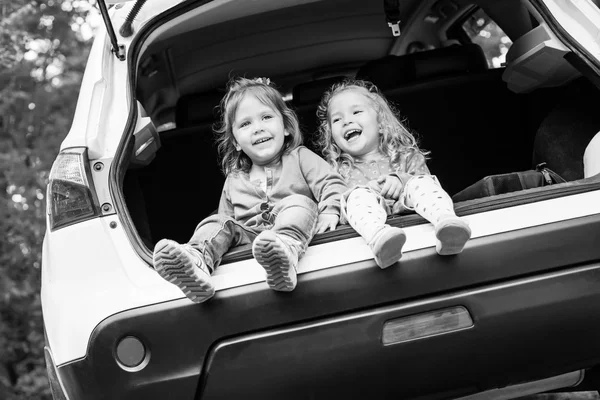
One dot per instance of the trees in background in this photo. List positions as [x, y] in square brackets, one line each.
[44, 46]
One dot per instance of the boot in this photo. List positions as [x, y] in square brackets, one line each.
[424, 194]
[278, 258]
[184, 266]
[367, 217]
[452, 234]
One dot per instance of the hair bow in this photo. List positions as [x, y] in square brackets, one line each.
[265, 81]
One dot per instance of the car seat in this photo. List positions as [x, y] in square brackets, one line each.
[567, 130]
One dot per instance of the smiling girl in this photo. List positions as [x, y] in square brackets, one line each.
[364, 140]
[277, 195]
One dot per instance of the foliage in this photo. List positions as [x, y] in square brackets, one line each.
[43, 50]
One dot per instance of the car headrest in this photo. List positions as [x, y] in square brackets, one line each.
[394, 71]
[197, 108]
[311, 92]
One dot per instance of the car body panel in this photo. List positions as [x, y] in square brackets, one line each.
[341, 352]
[581, 19]
[72, 311]
[103, 105]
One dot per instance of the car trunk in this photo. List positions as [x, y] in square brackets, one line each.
[492, 132]
[459, 109]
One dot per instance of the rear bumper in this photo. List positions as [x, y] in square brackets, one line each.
[524, 329]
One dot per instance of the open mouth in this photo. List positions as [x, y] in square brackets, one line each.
[351, 134]
[263, 140]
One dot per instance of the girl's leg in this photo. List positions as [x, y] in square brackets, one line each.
[278, 250]
[367, 216]
[425, 195]
[190, 265]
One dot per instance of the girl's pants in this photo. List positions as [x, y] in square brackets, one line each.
[295, 222]
[423, 194]
[367, 211]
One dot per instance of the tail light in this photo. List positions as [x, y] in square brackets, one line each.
[71, 196]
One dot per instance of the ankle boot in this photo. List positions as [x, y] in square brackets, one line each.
[424, 194]
[184, 266]
[278, 258]
[452, 234]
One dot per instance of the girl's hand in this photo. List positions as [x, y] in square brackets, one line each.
[391, 186]
[327, 221]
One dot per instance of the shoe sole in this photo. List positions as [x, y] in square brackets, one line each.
[175, 266]
[452, 238]
[272, 256]
[391, 252]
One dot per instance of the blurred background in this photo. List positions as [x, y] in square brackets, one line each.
[44, 46]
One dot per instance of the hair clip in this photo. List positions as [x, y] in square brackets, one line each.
[265, 81]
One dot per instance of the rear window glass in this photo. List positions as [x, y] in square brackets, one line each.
[486, 33]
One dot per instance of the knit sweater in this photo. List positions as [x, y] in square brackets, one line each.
[299, 171]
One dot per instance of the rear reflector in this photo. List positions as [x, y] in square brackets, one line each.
[423, 325]
[70, 196]
[131, 354]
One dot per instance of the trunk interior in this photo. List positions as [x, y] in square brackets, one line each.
[472, 125]
[457, 105]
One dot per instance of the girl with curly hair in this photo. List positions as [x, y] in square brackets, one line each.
[362, 137]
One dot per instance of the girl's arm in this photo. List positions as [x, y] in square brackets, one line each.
[326, 184]
[409, 164]
[225, 205]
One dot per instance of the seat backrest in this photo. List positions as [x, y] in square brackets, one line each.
[183, 183]
[198, 109]
[305, 99]
[461, 111]
[449, 98]
[393, 72]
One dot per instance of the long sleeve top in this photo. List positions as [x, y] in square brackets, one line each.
[409, 164]
[298, 172]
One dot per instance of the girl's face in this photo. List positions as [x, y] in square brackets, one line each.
[353, 122]
[258, 130]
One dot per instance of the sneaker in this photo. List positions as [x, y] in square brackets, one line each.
[183, 266]
[278, 259]
[387, 246]
[452, 234]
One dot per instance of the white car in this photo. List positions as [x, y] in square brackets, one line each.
[490, 87]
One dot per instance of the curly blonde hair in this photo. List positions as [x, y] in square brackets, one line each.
[261, 88]
[394, 140]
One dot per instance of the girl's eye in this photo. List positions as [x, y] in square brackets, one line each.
[267, 117]
[333, 121]
[243, 124]
[357, 112]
